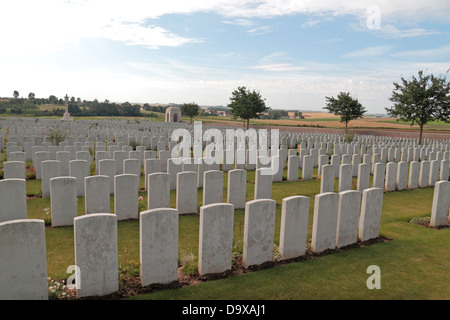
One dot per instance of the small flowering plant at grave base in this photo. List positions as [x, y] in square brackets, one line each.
[47, 212]
[128, 269]
[57, 290]
[188, 262]
[141, 204]
[277, 257]
[31, 173]
[236, 255]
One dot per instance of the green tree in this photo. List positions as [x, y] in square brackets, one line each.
[56, 135]
[346, 107]
[16, 94]
[52, 99]
[421, 99]
[31, 96]
[190, 109]
[128, 110]
[246, 104]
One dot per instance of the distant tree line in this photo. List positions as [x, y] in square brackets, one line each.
[76, 107]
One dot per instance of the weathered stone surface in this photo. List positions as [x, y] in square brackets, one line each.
[345, 177]
[363, 181]
[307, 168]
[413, 175]
[107, 167]
[50, 169]
[325, 221]
[441, 200]
[391, 176]
[80, 170]
[402, 175]
[126, 190]
[14, 170]
[424, 174]
[348, 218]
[434, 172]
[294, 226]
[151, 165]
[293, 166]
[370, 217]
[158, 194]
[258, 231]
[132, 166]
[263, 183]
[215, 238]
[212, 187]
[236, 190]
[327, 179]
[186, 196]
[158, 231]
[97, 197]
[443, 170]
[96, 254]
[379, 175]
[13, 199]
[63, 201]
[23, 263]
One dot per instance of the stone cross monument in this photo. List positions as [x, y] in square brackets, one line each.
[67, 114]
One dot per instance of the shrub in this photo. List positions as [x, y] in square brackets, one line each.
[56, 135]
[349, 137]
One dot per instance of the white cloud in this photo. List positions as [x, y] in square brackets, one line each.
[152, 36]
[49, 25]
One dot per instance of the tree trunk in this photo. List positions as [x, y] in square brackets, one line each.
[420, 134]
[346, 127]
[248, 122]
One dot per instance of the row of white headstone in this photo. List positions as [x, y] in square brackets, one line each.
[98, 188]
[339, 220]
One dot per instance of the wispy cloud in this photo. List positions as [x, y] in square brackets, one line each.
[443, 51]
[310, 23]
[277, 62]
[368, 52]
[279, 67]
[260, 30]
[240, 22]
[391, 31]
[332, 40]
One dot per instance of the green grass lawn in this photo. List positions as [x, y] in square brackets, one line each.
[413, 263]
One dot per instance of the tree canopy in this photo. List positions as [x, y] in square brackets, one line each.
[246, 104]
[421, 99]
[346, 107]
[190, 109]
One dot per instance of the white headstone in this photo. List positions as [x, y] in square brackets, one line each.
[258, 231]
[215, 238]
[96, 254]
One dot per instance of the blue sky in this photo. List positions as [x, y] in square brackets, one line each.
[295, 53]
